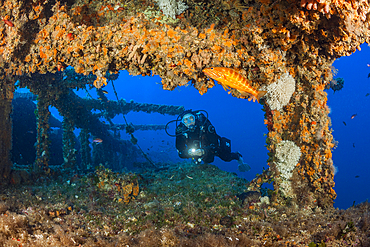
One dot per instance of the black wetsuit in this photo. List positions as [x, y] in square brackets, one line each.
[203, 136]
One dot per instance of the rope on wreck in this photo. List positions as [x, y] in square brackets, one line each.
[130, 130]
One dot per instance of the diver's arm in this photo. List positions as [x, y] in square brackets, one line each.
[211, 143]
[208, 154]
[181, 147]
[209, 150]
[181, 142]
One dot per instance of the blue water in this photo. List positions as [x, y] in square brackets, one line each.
[352, 155]
[242, 122]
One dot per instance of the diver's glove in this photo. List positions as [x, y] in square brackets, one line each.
[243, 167]
[196, 152]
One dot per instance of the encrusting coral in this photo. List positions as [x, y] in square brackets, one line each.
[121, 188]
[266, 40]
[288, 155]
[6, 94]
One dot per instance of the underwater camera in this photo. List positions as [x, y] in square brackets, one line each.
[194, 156]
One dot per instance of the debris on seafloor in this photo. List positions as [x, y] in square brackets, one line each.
[164, 206]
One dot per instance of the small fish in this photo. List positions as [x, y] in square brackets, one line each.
[231, 78]
[59, 67]
[367, 94]
[357, 176]
[70, 36]
[353, 144]
[9, 23]
[353, 116]
[344, 123]
[98, 140]
[104, 91]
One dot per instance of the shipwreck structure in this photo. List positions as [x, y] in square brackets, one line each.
[286, 47]
[35, 124]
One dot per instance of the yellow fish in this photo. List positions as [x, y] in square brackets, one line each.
[231, 78]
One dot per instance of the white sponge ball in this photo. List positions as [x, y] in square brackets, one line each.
[279, 93]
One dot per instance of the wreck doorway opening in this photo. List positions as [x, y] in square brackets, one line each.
[239, 120]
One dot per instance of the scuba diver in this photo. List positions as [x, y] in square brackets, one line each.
[196, 138]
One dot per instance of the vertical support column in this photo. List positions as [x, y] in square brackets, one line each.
[6, 96]
[69, 151]
[98, 157]
[314, 176]
[86, 162]
[43, 141]
[300, 147]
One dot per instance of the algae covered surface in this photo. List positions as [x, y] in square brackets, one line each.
[176, 205]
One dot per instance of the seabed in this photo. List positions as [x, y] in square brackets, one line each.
[176, 205]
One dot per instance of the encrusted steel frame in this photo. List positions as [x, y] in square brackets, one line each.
[261, 38]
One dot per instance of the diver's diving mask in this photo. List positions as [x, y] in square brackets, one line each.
[188, 120]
